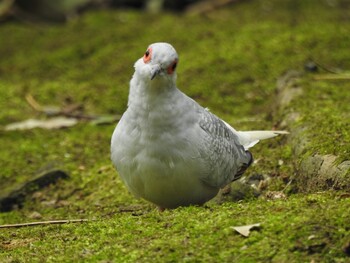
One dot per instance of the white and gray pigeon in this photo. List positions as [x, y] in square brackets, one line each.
[166, 147]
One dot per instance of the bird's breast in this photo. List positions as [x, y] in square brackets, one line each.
[154, 152]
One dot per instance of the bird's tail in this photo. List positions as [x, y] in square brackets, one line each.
[249, 138]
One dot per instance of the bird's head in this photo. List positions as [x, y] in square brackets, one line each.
[158, 62]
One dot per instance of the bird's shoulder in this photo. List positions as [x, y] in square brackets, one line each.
[215, 127]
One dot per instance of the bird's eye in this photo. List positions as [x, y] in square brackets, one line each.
[147, 56]
[172, 67]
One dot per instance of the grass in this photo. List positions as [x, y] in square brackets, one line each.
[230, 64]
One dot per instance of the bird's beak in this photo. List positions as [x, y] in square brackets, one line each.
[155, 71]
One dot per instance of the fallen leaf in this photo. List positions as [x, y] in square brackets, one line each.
[52, 123]
[245, 230]
[105, 119]
[311, 237]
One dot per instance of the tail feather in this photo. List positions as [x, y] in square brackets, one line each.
[249, 138]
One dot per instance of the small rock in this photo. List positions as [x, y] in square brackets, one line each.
[346, 248]
[63, 203]
[50, 203]
[35, 215]
[15, 197]
[274, 195]
[237, 191]
[244, 247]
[311, 66]
[322, 172]
[37, 195]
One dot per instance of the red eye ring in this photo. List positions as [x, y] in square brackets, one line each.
[172, 67]
[148, 55]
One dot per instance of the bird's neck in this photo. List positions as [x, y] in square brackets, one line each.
[145, 93]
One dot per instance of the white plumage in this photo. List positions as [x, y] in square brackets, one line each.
[166, 147]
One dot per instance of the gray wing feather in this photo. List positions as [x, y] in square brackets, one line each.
[224, 155]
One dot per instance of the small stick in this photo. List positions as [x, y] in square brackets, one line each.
[69, 111]
[332, 77]
[33, 103]
[50, 222]
[325, 68]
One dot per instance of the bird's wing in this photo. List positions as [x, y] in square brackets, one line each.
[224, 156]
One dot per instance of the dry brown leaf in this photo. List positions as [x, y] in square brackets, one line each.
[245, 230]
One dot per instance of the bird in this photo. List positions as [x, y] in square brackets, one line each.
[167, 148]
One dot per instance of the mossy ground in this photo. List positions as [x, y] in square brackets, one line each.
[229, 61]
[290, 232]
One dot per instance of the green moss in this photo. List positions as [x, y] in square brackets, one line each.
[230, 64]
[290, 232]
[330, 133]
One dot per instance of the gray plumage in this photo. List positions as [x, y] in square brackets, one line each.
[167, 148]
[223, 153]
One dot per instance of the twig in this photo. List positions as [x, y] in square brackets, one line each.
[79, 116]
[72, 108]
[33, 103]
[288, 184]
[50, 222]
[69, 111]
[325, 68]
[333, 77]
